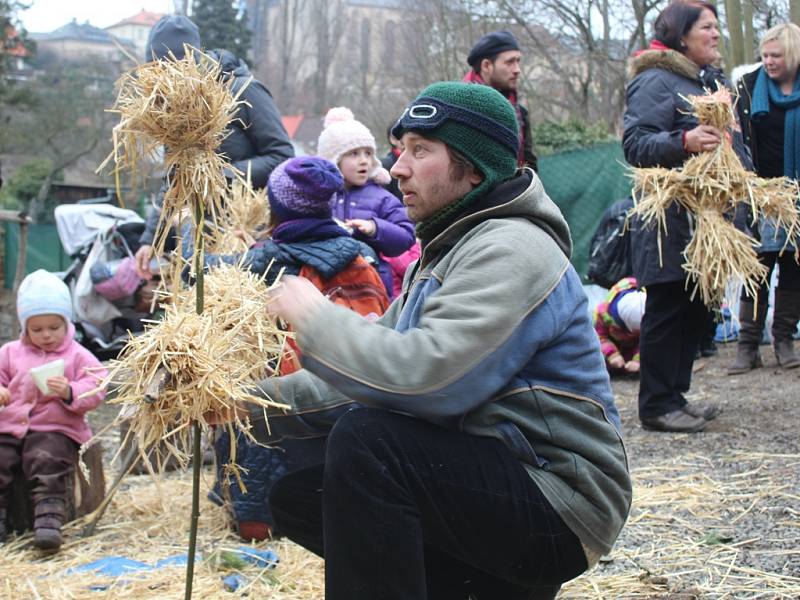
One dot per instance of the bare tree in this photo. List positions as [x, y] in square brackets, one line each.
[577, 50]
[290, 56]
[733, 17]
[182, 7]
[328, 19]
[749, 30]
[65, 121]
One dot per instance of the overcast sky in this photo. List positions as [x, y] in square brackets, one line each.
[47, 15]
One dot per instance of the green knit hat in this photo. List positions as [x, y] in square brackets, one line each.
[475, 120]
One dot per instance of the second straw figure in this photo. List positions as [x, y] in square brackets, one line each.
[185, 107]
[711, 186]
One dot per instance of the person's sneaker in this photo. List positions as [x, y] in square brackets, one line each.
[677, 421]
[708, 412]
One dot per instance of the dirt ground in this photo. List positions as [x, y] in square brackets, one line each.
[715, 514]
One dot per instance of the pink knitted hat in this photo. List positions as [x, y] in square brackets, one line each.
[343, 133]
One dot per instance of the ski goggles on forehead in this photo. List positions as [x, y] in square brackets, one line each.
[427, 113]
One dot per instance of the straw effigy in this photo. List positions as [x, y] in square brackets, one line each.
[189, 365]
[183, 106]
[192, 363]
[246, 213]
[711, 185]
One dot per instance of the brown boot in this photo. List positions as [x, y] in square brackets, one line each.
[751, 329]
[48, 518]
[784, 325]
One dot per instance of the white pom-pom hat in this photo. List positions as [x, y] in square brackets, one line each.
[341, 134]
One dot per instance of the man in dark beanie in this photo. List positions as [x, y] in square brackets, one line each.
[257, 141]
[168, 37]
[474, 448]
[495, 61]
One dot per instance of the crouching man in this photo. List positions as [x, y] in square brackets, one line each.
[475, 449]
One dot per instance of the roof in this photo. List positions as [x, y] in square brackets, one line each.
[144, 18]
[79, 31]
[291, 123]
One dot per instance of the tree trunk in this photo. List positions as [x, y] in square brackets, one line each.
[38, 203]
[182, 6]
[733, 17]
[750, 51]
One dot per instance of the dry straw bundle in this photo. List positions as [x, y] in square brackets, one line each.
[189, 364]
[710, 185]
[183, 106]
[246, 211]
[146, 524]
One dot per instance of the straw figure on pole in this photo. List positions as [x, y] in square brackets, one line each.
[201, 361]
[711, 185]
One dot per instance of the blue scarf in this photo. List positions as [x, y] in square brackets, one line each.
[767, 91]
[306, 230]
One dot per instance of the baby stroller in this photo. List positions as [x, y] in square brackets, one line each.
[108, 298]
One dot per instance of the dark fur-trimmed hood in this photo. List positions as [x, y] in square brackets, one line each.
[669, 60]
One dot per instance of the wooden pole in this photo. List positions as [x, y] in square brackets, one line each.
[197, 456]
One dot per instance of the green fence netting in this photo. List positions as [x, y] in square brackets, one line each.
[583, 183]
[44, 250]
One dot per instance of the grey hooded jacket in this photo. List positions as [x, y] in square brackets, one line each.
[491, 336]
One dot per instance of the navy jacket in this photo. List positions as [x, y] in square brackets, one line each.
[655, 118]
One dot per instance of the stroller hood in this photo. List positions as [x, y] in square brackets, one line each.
[79, 224]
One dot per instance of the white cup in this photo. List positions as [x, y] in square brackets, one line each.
[43, 372]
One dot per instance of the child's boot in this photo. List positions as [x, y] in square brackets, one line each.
[48, 518]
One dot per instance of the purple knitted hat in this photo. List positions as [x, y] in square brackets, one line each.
[302, 187]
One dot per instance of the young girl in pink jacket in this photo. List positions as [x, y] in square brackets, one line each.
[40, 432]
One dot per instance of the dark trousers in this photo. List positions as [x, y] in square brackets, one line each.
[47, 460]
[261, 468]
[671, 329]
[404, 509]
[788, 279]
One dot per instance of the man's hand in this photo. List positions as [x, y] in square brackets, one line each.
[59, 386]
[5, 396]
[702, 139]
[616, 362]
[365, 226]
[295, 300]
[142, 257]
